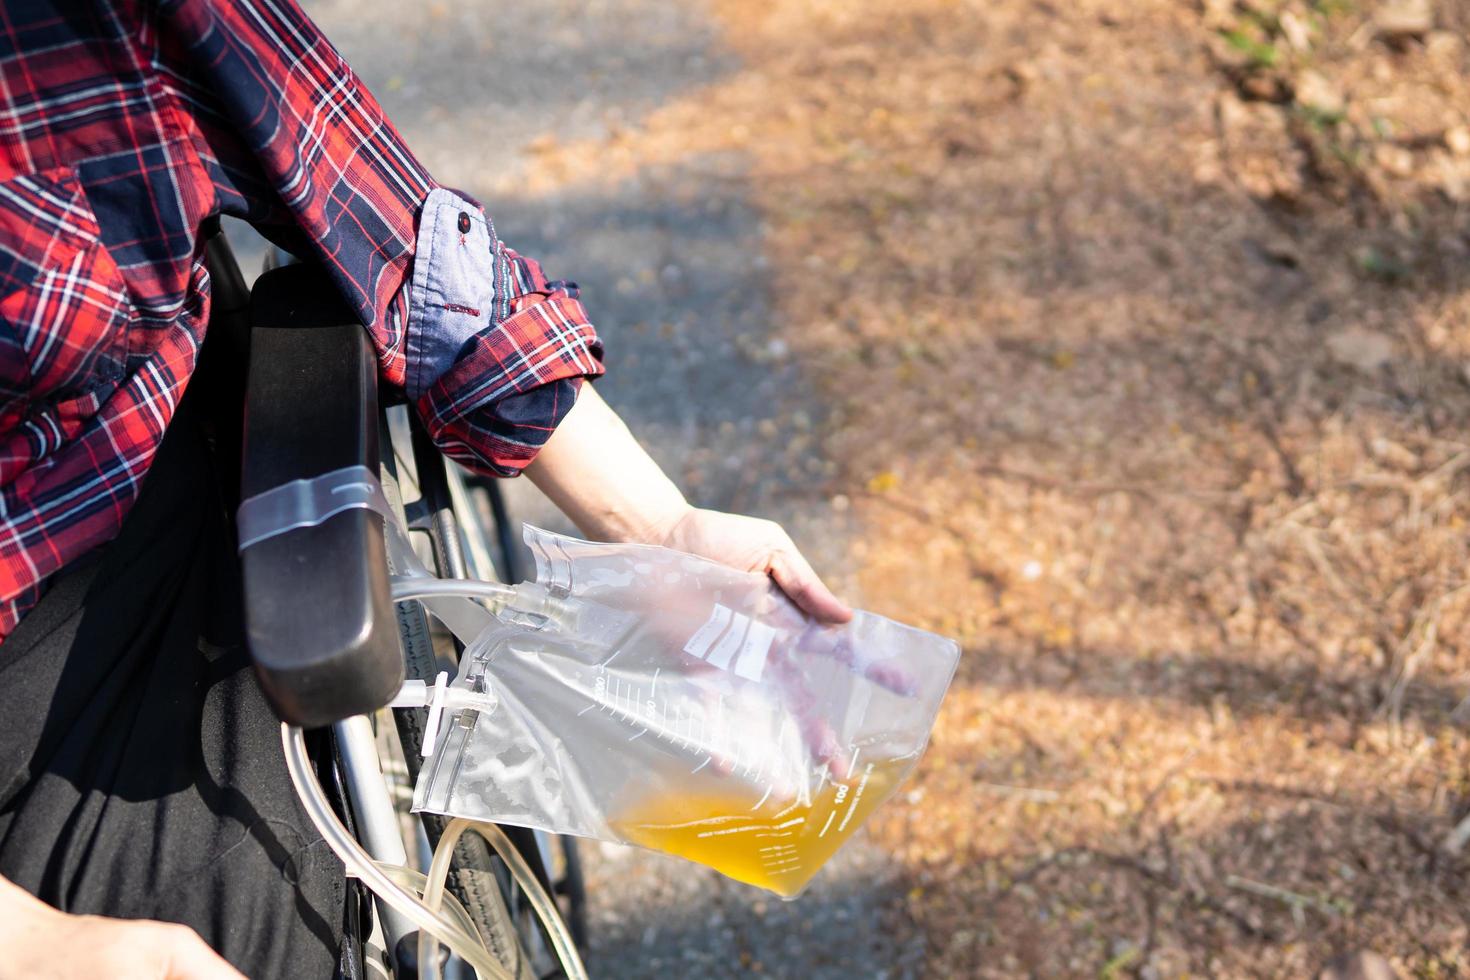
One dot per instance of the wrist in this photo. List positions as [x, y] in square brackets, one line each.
[632, 521]
[660, 528]
[598, 475]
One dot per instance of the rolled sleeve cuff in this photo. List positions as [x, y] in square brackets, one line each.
[499, 403]
[452, 295]
[495, 352]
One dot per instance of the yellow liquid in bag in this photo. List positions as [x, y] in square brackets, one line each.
[778, 845]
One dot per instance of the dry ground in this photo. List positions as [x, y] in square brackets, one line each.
[1143, 336]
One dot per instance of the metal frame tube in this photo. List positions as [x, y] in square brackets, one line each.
[372, 808]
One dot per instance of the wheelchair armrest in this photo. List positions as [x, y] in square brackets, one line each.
[318, 614]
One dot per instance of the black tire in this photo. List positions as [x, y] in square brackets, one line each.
[571, 890]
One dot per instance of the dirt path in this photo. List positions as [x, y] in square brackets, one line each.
[1128, 343]
[1143, 331]
[672, 266]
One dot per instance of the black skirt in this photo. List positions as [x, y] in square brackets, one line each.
[141, 772]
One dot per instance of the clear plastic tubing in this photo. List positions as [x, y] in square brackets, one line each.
[360, 864]
[418, 587]
[422, 587]
[543, 905]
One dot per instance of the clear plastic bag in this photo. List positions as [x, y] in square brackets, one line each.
[645, 696]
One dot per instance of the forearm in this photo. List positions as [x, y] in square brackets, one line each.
[599, 475]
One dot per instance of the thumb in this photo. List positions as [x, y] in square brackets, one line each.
[190, 958]
[802, 585]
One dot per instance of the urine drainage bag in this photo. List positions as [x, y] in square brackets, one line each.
[641, 695]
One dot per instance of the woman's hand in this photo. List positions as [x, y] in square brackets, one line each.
[754, 545]
[40, 943]
[597, 473]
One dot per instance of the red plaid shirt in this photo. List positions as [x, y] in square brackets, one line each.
[124, 126]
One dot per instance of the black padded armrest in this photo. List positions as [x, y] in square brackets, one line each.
[318, 614]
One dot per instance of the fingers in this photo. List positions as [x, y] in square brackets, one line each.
[190, 958]
[800, 582]
[755, 545]
[886, 673]
[821, 740]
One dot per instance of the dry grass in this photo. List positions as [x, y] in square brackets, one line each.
[1144, 333]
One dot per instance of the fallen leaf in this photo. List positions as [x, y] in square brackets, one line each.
[883, 482]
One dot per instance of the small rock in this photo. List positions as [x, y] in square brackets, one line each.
[1314, 90]
[1394, 159]
[1298, 34]
[1219, 13]
[1022, 73]
[1453, 183]
[1390, 453]
[1399, 19]
[1444, 46]
[1457, 139]
[1359, 348]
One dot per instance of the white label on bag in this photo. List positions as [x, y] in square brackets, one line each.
[704, 637]
[725, 649]
[731, 636]
[752, 660]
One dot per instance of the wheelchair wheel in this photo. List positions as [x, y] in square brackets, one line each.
[477, 877]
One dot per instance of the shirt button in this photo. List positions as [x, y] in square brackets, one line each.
[464, 223]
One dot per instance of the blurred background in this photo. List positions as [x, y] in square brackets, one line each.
[1129, 344]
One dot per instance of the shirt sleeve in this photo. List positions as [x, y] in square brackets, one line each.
[488, 351]
[495, 350]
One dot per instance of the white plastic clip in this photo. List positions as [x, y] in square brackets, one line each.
[436, 711]
[418, 694]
